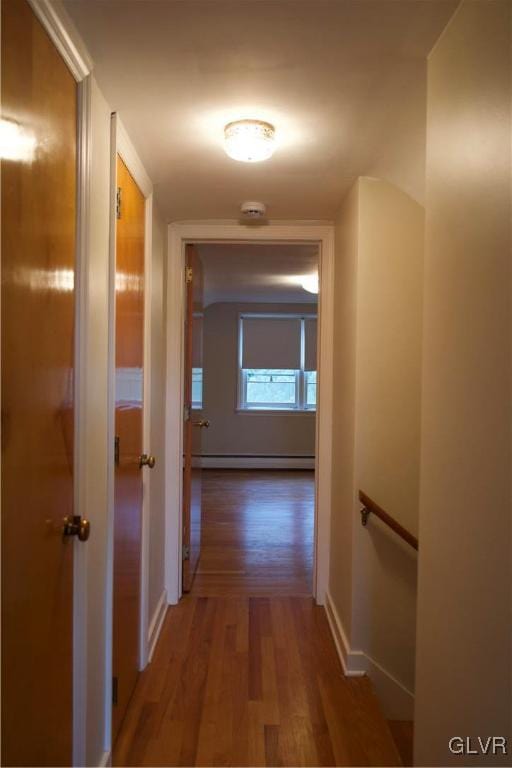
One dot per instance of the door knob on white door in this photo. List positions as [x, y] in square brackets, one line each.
[147, 461]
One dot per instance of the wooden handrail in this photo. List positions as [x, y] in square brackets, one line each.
[371, 506]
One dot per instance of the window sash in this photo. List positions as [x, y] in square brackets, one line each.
[273, 406]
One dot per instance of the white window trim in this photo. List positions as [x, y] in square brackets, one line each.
[300, 375]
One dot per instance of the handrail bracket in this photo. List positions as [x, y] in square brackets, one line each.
[365, 514]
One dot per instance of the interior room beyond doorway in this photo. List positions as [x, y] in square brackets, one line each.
[254, 382]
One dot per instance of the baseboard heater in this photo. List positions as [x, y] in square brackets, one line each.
[252, 461]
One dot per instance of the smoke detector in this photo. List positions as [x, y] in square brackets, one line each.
[252, 210]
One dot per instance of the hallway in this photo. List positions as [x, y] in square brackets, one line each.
[241, 240]
[245, 671]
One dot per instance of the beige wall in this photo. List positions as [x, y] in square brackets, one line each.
[400, 157]
[377, 380]
[464, 630]
[157, 478]
[236, 433]
[387, 431]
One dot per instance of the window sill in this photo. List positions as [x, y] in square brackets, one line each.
[278, 411]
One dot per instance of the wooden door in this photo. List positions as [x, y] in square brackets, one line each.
[129, 403]
[39, 99]
[194, 419]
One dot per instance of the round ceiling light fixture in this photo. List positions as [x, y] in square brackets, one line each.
[249, 140]
[310, 283]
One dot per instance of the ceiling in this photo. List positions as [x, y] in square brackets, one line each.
[257, 273]
[343, 81]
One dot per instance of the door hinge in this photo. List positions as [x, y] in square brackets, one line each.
[118, 202]
[114, 690]
[116, 450]
[186, 412]
[189, 275]
[186, 552]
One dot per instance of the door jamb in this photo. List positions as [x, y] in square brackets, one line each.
[122, 146]
[223, 232]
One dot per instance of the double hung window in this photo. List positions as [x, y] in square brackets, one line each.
[277, 362]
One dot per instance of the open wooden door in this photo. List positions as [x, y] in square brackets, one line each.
[129, 457]
[39, 180]
[193, 417]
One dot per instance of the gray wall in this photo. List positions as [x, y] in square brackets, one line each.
[237, 433]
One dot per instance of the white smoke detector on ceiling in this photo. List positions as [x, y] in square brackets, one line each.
[253, 210]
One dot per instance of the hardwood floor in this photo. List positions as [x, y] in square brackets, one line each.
[257, 536]
[251, 681]
[245, 672]
[403, 735]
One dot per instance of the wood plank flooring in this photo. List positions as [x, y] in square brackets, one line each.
[245, 672]
[258, 529]
[251, 681]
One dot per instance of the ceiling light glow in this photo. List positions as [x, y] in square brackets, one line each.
[310, 283]
[249, 140]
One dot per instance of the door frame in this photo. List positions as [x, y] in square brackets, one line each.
[121, 145]
[56, 23]
[179, 234]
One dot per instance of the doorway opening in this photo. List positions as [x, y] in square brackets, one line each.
[250, 384]
[250, 388]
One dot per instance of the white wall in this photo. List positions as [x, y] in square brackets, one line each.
[377, 385]
[464, 630]
[233, 432]
[157, 447]
[96, 313]
[344, 386]
[96, 366]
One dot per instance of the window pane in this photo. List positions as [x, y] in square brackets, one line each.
[310, 388]
[197, 387]
[271, 387]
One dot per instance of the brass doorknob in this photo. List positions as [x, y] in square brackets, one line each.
[201, 423]
[77, 526]
[147, 461]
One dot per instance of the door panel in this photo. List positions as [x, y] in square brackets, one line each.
[38, 305]
[129, 402]
[194, 420]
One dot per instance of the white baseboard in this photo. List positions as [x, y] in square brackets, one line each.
[353, 662]
[106, 760]
[156, 623]
[396, 700]
[257, 462]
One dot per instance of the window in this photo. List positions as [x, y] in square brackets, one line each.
[310, 388]
[277, 362]
[197, 388]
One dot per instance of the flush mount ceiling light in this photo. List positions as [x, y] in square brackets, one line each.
[249, 140]
[310, 283]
